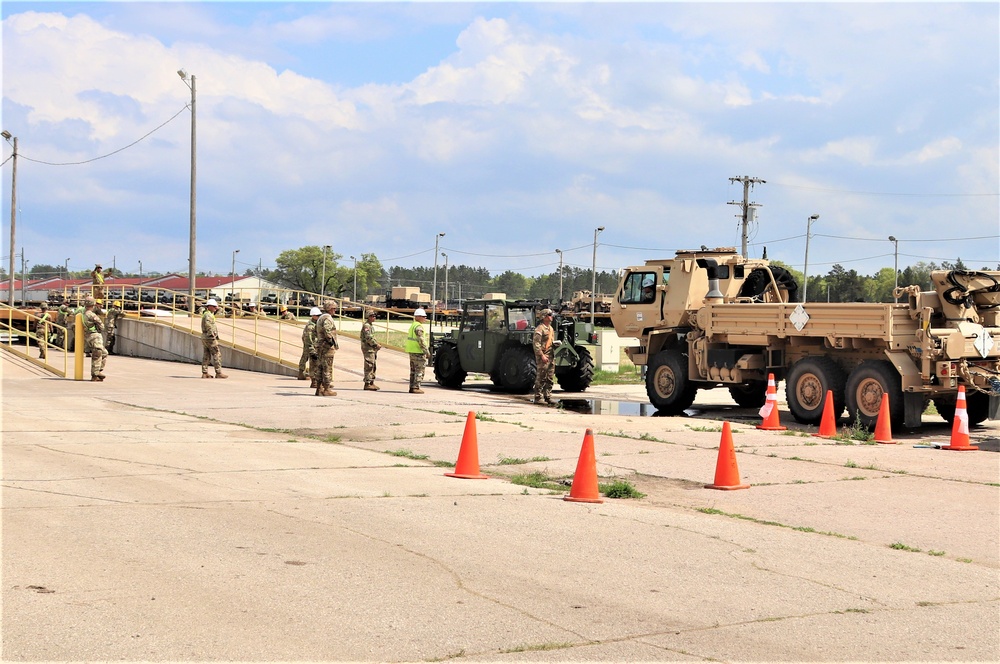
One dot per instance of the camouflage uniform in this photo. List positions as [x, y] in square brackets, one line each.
[61, 320]
[110, 325]
[71, 314]
[286, 315]
[416, 347]
[326, 347]
[210, 342]
[93, 329]
[43, 331]
[308, 350]
[545, 368]
[98, 286]
[369, 348]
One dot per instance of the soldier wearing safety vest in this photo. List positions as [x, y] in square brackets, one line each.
[93, 330]
[545, 368]
[416, 346]
[43, 329]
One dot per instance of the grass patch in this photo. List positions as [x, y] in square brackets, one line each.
[515, 461]
[855, 431]
[538, 480]
[899, 546]
[626, 375]
[331, 439]
[706, 429]
[482, 417]
[620, 489]
[408, 454]
[430, 434]
[850, 464]
[743, 517]
[932, 552]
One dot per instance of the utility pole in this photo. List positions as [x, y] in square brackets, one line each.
[13, 218]
[24, 276]
[749, 208]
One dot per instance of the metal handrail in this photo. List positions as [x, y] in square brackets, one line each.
[7, 325]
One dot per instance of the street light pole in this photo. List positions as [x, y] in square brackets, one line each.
[13, 217]
[322, 285]
[192, 269]
[232, 276]
[805, 267]
[559, 251]
[593, 279]
[445, 279]
[66, 269]
[437, 238]
[140, 274]
[355, 278]
[895, 266]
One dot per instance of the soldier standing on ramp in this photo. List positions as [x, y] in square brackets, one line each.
[210, 341]
[326, 347]
[416, 347]
[309, 347]
[93, 329]
[42, 330]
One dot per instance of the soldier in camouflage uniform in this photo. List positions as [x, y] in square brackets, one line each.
[210, 341]
[285, 314]
[93, 329]
[416, 347]
[111, 324]
[61, 314]
[326, 347]
[97, 277]
[309, 347]
[369, 348]
[545, 369]
[42, 329]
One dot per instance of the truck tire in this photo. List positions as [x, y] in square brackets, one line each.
[977, 405]
[749, 395]
[667, 384]
[448, 367]
[865, 387]
[579, 377]
[517, 369]
[807, 384]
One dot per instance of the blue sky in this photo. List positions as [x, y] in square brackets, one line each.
[514, 128]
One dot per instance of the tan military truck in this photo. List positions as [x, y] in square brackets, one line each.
[582, 298]
[712, 318]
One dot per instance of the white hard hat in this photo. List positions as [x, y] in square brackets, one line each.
[315, 312]
[420, 312]
[212, 303]
[648, 281]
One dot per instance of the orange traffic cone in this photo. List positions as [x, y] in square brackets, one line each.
[727, 473]
[960, 425]
[769, 411]
[467, 467]
[828, 425]
[883, 426]
[584, 489]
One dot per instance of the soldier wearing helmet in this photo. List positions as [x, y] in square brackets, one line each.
[285, 314]
[309, 360]
[211, 354]
[93, 330]
[42, 330]
[369, 349]
[648, 289]
[111, 325]
[326, 348]
[543, 342]
[419, 352]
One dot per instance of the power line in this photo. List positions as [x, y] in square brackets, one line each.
[87, 161]
[877, 193]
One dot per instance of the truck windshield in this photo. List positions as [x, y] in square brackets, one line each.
[521, 319]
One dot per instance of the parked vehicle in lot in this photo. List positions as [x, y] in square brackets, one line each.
[494, 337]
[717, 319]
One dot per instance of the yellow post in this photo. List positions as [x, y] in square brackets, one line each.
[78, 345]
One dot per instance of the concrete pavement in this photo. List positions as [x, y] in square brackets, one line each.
[158, 516]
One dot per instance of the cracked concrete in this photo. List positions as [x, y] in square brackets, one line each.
[158, 517]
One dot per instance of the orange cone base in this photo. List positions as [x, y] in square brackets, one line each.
[823, 435]
[777, 428]
[463, 476]
[583, 500]
[727, 488]
[961, 448]
[886, 442]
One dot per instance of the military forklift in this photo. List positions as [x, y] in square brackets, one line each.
[494, 337]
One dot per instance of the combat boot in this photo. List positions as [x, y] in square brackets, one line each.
[95, 379]
[369, 387]
[375, 387]
[206, 375]
[328, 393]
[221, 375]
[313, 385]
[302, 376]
[416, 390]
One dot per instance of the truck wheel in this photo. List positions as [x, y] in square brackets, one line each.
[749, 395]
[865, 387]
[667, 384]
[977, 405]
[806, 387]
[579, 377]
[517, 369]
[448, 367]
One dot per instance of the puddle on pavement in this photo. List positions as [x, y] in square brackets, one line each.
[632, 408]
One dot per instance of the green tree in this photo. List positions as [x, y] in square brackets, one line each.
[303, 269]
[879, 287]
[43, 271]
[513, 284]
[845, 285]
